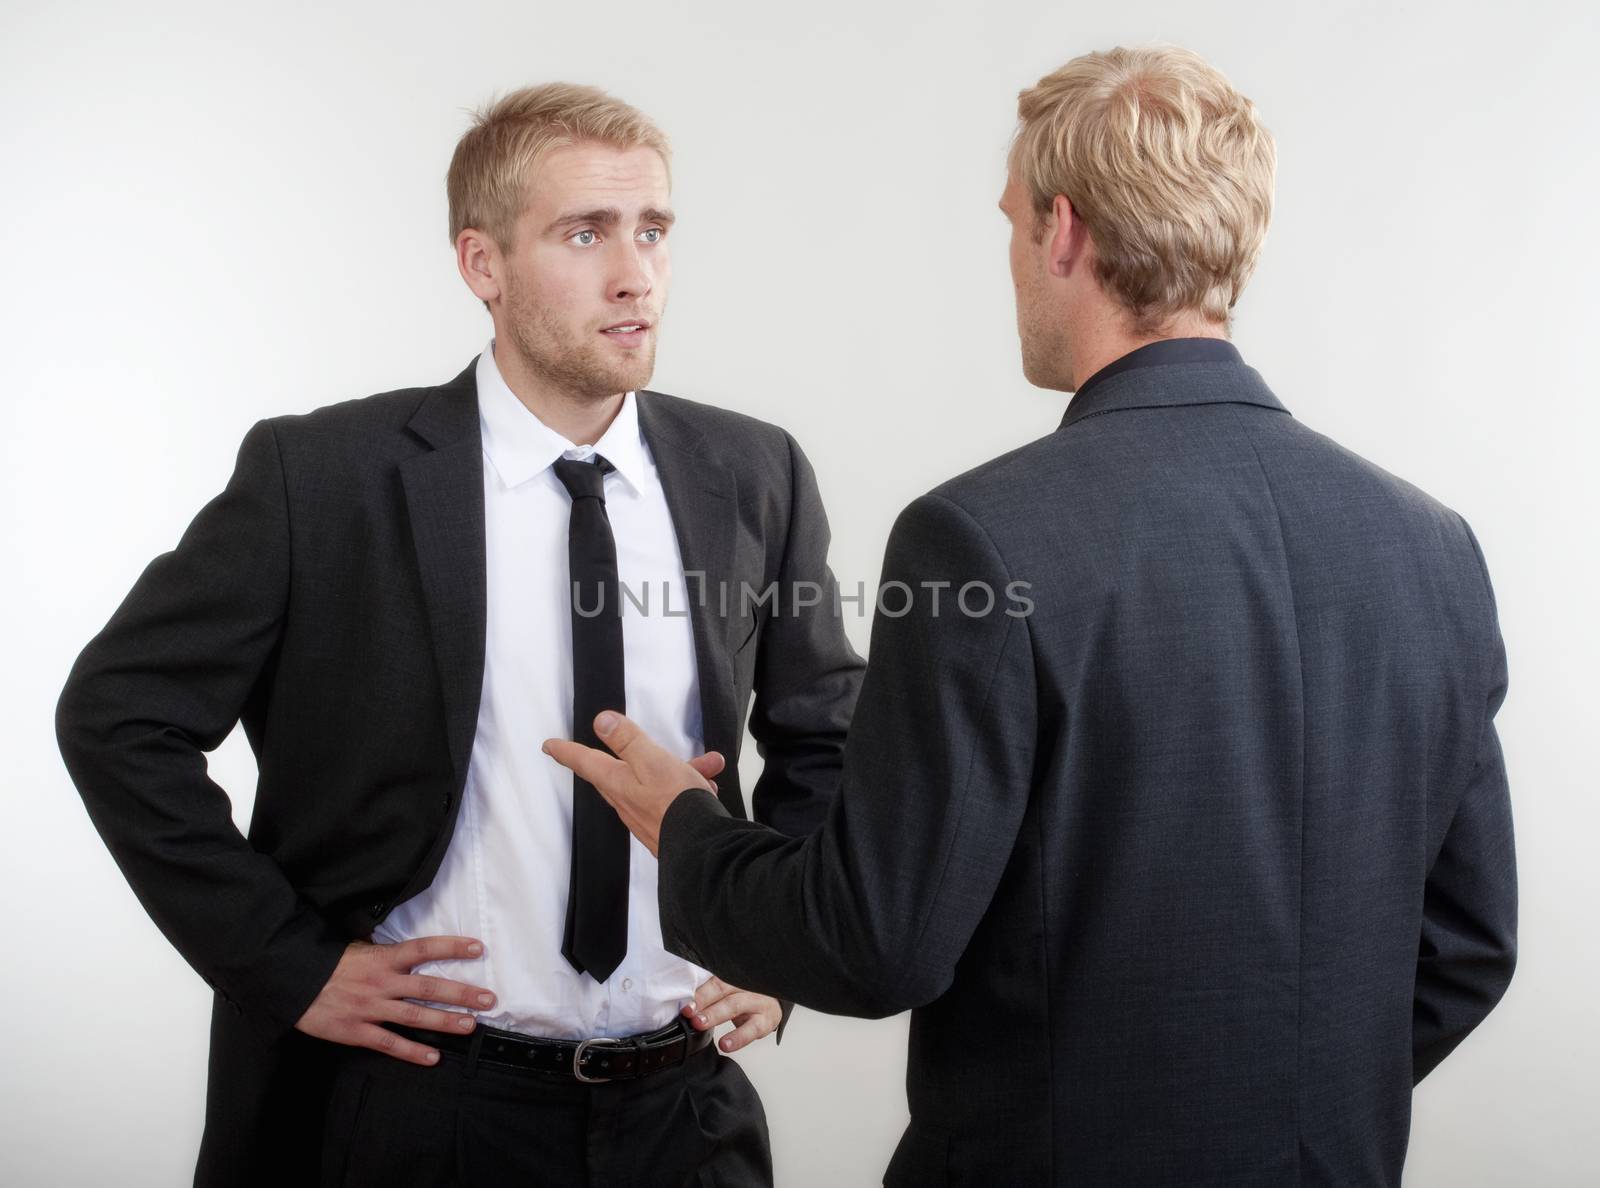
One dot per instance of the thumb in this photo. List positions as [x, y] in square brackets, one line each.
[645, 758]
[710, 764]
[622, 735]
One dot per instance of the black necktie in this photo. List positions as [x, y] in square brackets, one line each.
[597, 897]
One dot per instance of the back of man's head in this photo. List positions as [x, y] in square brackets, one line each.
[1167, 165]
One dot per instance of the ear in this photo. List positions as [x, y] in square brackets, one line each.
[1067, 236]
[479, 260]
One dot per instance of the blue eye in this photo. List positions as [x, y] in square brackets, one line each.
[578, 235]
[655, 231]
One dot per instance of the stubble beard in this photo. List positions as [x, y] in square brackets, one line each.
[587, 371]
[1035, 356]
[1041, 343]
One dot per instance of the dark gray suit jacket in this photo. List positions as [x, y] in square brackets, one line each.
[1190, 874]
[332, 598]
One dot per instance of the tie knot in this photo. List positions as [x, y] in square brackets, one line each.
[584, 478]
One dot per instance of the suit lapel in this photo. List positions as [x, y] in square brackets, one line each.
[702, 495]
[444, 496]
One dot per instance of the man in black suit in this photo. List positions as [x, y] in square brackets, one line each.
[400, 596]
[1192, 865]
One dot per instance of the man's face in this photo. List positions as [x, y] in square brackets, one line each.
[590, 254]
[1040, 315]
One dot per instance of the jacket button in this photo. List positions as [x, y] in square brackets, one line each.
[444, 801]
[376, 910]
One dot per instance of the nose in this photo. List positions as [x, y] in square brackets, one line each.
[631, 279]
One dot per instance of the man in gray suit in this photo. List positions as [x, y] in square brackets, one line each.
[1191, 869]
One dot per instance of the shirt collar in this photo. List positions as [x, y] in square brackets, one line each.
[521, 446]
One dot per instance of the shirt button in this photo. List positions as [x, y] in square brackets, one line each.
[627, 983]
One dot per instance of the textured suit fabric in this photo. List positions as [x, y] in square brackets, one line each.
[331, 599]
[1192, 872]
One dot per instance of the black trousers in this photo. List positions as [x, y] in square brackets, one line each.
[472, 1125]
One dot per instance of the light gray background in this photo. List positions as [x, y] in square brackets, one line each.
[216, 214]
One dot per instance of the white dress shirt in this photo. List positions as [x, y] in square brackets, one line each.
[505, 874]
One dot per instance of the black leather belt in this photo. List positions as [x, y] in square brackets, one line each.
[590, 1061]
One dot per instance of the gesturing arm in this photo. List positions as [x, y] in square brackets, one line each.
[869, 915]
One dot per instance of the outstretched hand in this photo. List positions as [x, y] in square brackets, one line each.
[643, 778]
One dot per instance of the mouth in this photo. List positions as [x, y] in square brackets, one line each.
[629, 334]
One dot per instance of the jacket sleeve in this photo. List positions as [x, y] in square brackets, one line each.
[807, 675]
[164, 682]
[1469, 912]
[869, 915]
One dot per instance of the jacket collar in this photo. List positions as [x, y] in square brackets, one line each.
[1171, 373]
[450, 411]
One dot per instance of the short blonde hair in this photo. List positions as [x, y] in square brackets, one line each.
[494, 161]
[1167, 165]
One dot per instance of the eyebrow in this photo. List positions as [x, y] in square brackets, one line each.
[610, 216]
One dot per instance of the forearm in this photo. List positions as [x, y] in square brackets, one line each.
[227, 909]
[761, 909]
[870, 914]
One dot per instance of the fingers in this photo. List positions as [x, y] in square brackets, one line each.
[641, 784]
[735, 1006]
[708, 991]
[370, 985]
[432, 989]
[750, 1029]
[412, 1014]
[640, 760]
[710, 764]
[381, 1039]
[716, 1002]
[597, 767]
[409, 954]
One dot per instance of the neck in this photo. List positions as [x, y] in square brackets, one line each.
[1107, 338]
[582, 420]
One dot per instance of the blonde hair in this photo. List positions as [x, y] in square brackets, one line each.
[1167, 165]
[494, 161]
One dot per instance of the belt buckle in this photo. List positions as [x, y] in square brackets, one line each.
[577, 1059]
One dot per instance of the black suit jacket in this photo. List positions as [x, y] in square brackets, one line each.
[332, 598]
[1190, 873]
